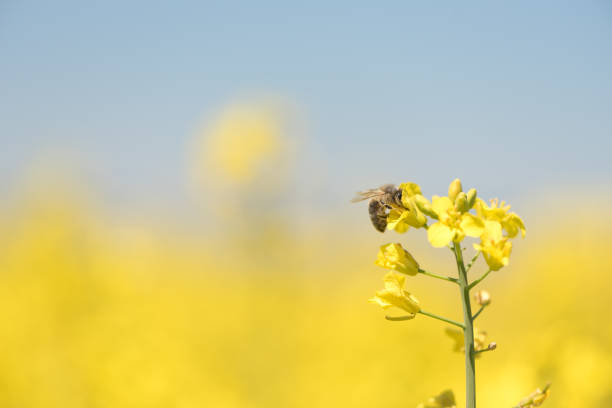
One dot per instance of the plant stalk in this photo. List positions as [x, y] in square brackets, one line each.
[468, 331]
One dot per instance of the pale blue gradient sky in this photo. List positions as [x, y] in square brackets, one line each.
[513, 97]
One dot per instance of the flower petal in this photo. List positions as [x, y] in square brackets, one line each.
[396, 220]
[512, 224]
[394, 282]
[441, 205]
[472, 225]
[439, 235]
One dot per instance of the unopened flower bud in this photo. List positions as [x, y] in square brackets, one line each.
[492, 346]
[421, 219]
[424, 205]
[482, 297]
[471, 198]
[454, 189]
[461, 202]
[394, 257]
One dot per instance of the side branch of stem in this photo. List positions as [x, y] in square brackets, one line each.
[477, 281]
[444, 319]
[478, 312]
[433, 275]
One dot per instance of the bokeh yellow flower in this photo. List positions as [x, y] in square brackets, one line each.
[480, 338]
[494, 246]
[446, 399]
[393, 256]
[452, 225]
[394, 295]
[536, 398]
[243, 140]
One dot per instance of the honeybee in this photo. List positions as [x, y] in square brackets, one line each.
[382, 199]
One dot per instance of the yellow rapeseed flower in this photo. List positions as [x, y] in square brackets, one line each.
[494, 246]
[497, 211]
[393, 256]
[452, 225]
[401, 219]
[394, 295]
[446, 399]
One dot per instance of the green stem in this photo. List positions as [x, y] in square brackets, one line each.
[444, 319]
[433, 275]
[477, 281]
[468, 331]
[478, 312]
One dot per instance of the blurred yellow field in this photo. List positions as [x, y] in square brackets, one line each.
[121, 315]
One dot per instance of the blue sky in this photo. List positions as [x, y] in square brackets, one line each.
[513, 97]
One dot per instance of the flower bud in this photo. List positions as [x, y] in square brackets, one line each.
[394, 257]
[471, 198]
[461, 202]
[454, 189]
[421, 219]
[482, 297]
[424, 205]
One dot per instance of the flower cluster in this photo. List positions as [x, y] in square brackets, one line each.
[459, 215]
[455, 216]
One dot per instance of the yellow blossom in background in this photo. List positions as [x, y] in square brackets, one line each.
[393, 256]
[494, 246]
[242, 141]
[535, 399]
[452, 225]
[446, 399]
[480, 338]
[394, 295]
[497, 211]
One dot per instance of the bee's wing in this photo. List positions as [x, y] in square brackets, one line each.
[366, 194]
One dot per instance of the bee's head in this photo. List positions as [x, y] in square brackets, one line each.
[397, 197]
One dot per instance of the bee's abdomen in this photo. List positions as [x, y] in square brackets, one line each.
[378, 215]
